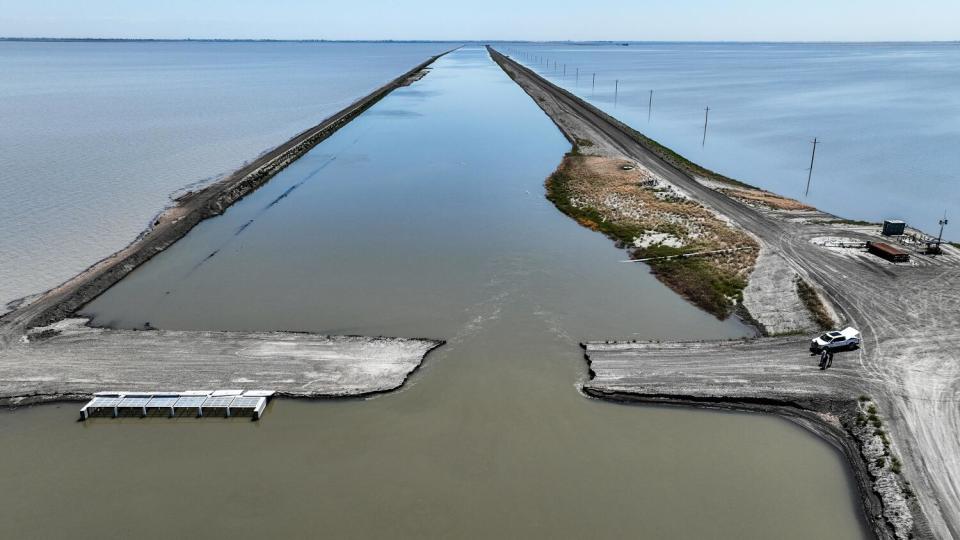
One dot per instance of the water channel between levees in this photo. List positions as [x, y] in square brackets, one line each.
[425, 217]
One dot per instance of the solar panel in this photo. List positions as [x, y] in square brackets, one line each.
[135, 401]
[104, 402]
[166, 401]
[258, 393]
[245, 402]
[220, 402]
[190, 401]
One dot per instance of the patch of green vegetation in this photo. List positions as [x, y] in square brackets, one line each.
[853, 222]
[872, 410]
[811, 300]
[895, 465]
[788, 333]
[709, 287]
[558, 192]
[883, 438]
[584, 142]
[864, 397]
[880, 462]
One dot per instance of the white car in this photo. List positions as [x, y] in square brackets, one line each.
[848, 338]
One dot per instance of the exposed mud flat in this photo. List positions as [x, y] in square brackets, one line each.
[70, 360]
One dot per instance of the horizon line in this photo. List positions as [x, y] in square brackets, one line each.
[375, 40]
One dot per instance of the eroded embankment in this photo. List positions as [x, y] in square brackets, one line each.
[188, 210]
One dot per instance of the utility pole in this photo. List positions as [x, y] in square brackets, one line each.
[616, 90]
[564, 71]
[810, 172]
[706, 118]
[650, 106]
[940, 238]
[593, 85]
[578, 75]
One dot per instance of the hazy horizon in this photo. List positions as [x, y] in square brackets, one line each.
[464, 41]
[496, 20]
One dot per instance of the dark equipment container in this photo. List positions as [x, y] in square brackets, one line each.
[893, 227]
[887, 252]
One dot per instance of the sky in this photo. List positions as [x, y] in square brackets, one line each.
[687, 20]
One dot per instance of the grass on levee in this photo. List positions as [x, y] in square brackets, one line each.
[708, 286]
[811, 300]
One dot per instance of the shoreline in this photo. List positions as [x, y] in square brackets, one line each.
[806, 419]
[188, 210]
[854, 288]
[89, 351]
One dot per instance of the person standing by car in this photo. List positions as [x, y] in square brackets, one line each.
[829, 358]
[823, 358]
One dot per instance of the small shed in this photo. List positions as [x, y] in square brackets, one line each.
[893, 227]
[888, 252]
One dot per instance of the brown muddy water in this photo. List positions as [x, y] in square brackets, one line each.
[424, 217]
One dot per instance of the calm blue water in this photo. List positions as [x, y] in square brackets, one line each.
[888, 115]
[94, 137]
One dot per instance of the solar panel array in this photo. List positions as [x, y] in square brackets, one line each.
[221, 399]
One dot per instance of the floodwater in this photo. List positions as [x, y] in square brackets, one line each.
[887, 115]
[84, 125]
[424, 217]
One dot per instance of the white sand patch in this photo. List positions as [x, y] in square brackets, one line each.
[654, 238]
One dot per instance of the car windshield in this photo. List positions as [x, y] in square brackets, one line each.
[826, 337]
